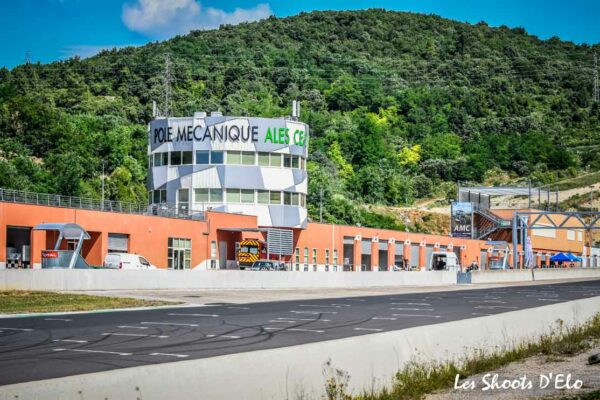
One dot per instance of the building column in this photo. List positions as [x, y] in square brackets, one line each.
[357, 252]
[463, 257]
[391, 249]
[375, 253]
[422, 261]
[538, 259]
[406, 252]
[521, 259]
[38, 243]
[548, 255]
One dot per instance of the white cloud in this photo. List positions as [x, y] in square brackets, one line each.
[85, 51]
[165, 18]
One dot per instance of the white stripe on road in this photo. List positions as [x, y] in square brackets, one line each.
[167, 323]
[286, 321]
[412, 309]
[70, 340]
[416, 315]
[133, 334]
[493, 307]
[94, 351]
[317, 305]
[368, 329]
[306, 319]
[169, 355]
[487, 301]
[475, 313]
[238, 308]
[341, 305]
[410, 304]
[16, 329]
[314, 312]
[549, 299]
[132, 327]
[195, 315]
[58, 319]
[386, 318]
[293, 329]
[223, 336]
[355, 299]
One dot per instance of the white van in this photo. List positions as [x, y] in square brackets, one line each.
[126, 261]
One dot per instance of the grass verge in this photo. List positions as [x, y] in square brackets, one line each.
[23, 301]
[416, 380]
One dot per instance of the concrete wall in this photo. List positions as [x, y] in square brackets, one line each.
[64, 279]
[296, 372]
[533, 275]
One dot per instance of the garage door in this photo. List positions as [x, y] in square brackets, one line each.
[414, 255]
[118, 243]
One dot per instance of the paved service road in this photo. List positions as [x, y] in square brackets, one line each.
[34, 348]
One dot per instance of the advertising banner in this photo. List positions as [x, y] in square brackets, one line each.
[461, 220]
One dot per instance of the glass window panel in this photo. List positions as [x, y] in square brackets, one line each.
[248, 157]
[275, 197]
[201, 196]
[275, 160]
[184, 195]
[287, 198]
[216, 157]
[156, 197]
[187, 157]
[263, 197]
[248, 196]
[234, 157]
[165, 158]
[216, 195]
[150, 161]
[287, 161]
[175, 158]
[202, 157]
[157, 159]
[295, 199]
[233, 195]
[263, 159]
[295, 162]
[163, 196]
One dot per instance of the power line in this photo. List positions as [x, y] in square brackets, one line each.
[596, 94]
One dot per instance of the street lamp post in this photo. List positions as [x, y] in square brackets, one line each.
[102, 205]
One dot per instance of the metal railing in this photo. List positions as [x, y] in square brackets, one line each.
[83, 203]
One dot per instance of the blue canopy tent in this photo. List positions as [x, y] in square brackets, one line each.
[560, 257]
[573, 257]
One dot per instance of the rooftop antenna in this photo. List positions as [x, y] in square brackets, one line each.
[295, 110]
[27, 57]
[167, 79]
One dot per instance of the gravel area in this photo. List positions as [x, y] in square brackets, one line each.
[533, 368]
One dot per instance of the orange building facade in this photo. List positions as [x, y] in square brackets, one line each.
[211, 243]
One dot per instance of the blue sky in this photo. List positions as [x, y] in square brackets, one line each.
[58, 29]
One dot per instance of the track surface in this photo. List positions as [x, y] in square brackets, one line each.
[34, 348]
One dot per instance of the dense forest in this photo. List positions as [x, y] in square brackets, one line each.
[401, 106]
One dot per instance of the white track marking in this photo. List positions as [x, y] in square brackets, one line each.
[341, 305]
[195, 315]
[403, 299]
[487, 301]
[238, 308]
[481, 297]
[542, 295]
[355, 299]
[167, 323]
[58, 319]
[368, 329]
[70, 340]
[223, 336]
[16, 329]
[306, 319]
[285, 321]
[410, 304]
[169, 355]
[434, 297]
[475, 313]
[132, 327]
[314, 312]
[133, 334]
[318, 306]
[293, 329]
[416, 315]
[541, 299]
[493, 307]
[95, 351]
[412, 309]
[386, 318]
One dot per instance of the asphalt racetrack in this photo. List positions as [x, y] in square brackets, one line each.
[42, 347]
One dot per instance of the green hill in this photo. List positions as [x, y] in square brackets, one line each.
[400, 105]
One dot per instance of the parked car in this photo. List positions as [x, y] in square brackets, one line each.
[126, 261]
[267, 265]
